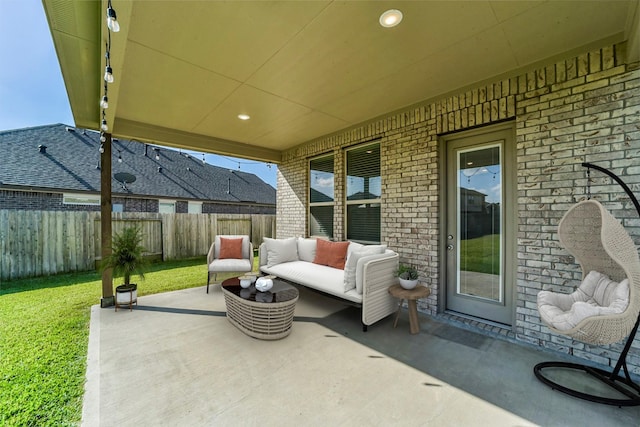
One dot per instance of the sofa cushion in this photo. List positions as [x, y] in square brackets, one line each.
[230, 248]
[306, 249]
[281, 250]
[352, 262]
[231, 265]
[321, 277]
[332, 254]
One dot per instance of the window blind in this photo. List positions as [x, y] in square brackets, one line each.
[363, 192]
[321, 196]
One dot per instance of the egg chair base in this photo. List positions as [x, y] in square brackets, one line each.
[629, 388]
[623, 385]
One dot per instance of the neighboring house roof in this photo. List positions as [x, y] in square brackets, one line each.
[71, 161]
[470, 192]
[362, 195]
[319, 197]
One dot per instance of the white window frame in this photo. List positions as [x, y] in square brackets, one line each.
[197, 206]
[80, 199]
[166, 202]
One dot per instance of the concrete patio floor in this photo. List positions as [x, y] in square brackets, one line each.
[175, 360]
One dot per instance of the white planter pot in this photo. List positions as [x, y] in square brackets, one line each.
[126, 295]
[408, 284]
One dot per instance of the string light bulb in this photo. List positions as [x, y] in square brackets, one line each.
[112, 20]
[101, 149]
[103, 137]
[104, 126]
[108, 74]
[203, 160]
[119, 157]
[157, 155]
[104, 102]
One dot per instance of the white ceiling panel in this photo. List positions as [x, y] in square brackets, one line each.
[303, 69]
[267, 111]
[166, 91]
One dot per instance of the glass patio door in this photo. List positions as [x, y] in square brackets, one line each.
[478, 233]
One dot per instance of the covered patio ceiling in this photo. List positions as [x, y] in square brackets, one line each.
[185, 70]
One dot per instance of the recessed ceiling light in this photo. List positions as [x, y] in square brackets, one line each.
[390, 18]
[244, 116]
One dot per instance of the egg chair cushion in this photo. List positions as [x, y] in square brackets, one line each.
[597, 295]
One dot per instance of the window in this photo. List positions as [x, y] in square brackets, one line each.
[117, 207]
[363, 193]
[321, 196]
[80, 199]
[166, 206]
[194, 207]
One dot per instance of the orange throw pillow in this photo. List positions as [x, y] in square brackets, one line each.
[333, 254]
[230, 248]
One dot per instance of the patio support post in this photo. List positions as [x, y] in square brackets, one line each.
[107, 299]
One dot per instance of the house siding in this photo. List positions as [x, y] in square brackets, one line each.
[585, 108]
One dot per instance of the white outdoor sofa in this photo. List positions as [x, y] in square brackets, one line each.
[364, 281]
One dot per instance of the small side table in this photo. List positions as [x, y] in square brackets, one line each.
[412, 296]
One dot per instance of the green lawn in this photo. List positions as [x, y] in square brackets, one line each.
[478, 254]
[44, 331]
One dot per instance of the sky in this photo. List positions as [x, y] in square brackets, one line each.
[32, 92]
[486, 180]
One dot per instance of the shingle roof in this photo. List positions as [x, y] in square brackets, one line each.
[71, 163]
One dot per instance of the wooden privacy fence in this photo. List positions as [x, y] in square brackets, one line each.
[36, 243]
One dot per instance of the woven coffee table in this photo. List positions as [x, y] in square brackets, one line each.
[262, 315]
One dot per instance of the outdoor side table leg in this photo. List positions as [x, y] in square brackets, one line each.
[413, 316]
[395, 323]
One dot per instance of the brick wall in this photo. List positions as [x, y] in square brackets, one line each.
[584, 108]
[32, 200]
[136, 205]
[238, 209]
[27, 200]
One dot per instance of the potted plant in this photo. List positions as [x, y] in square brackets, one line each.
[127, 259]
[407, 275]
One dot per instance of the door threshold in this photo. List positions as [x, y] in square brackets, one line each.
[478, 324]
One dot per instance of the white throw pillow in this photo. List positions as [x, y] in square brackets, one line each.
[281, 250]
[620, 297]
[306, 249]
[353, 246]
[352, 262]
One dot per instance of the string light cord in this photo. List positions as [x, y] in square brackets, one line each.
[112, 25]
[239, 163]
[482, 169]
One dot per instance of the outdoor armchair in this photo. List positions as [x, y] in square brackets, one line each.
[229, 255]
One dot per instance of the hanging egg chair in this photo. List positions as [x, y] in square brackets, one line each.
[605, 309]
